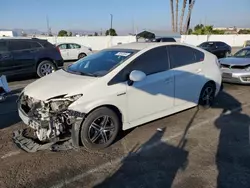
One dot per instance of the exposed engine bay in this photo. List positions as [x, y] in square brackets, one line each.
[50, 119]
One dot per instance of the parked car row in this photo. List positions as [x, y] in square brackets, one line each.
[32, 55]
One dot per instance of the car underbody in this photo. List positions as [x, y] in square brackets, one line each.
[53, 125]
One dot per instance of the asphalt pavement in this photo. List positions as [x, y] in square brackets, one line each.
[194, 148]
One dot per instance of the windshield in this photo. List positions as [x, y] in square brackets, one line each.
[243, 53]
[100, 63]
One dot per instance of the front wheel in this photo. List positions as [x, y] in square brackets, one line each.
[100, 129]
[207, 95]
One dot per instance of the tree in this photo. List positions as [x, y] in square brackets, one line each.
[172, 14]
[190, 8]
[244, 31]
[176, 14]
[182, 15]
[95, 34]
[111, 32]
[62, 33]
[200, 29]
[70, 34]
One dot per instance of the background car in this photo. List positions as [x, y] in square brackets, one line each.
[119, 88]
[163, 39]
[236, 68]
[220, 49]
[246, 43]
[30, 55]
[73, 51]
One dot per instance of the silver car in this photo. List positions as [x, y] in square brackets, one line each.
[236, 68]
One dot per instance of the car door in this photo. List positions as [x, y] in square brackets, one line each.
[73, 51]
[23, 55]
[64, 51]
[186, 64]
[155, 93]
[7, 65]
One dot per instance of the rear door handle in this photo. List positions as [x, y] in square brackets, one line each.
[168, 80]
[198, 71]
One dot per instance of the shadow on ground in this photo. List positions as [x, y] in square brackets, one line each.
[233, 154]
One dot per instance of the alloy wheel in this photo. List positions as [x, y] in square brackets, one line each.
[46, 69]
[101, 130]
[208, 96]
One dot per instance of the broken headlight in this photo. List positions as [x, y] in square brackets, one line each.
[59, 105]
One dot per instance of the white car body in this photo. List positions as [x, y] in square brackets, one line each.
[156, 96]
[71, 51]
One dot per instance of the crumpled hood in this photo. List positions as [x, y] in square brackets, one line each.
[235, 61]
[56, 84]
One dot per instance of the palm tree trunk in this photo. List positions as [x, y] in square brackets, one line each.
[190, 8]
[182, 15]
[176, 14]
[172, 13]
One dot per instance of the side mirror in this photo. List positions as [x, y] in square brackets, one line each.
[137, 76]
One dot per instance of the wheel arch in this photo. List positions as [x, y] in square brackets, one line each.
[110, 106]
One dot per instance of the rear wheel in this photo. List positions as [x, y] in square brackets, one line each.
[100, 129]
[81, 55]
[207, 95]
[45, 67]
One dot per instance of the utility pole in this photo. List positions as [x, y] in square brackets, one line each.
[111, 23]
[48, 26]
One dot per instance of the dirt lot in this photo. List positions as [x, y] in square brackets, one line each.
[196, 148]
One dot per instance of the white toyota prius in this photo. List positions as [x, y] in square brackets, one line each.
[119, 88]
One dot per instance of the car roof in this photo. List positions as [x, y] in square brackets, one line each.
[140, 45]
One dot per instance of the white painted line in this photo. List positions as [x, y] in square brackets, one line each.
[9, 154]
[63, 183]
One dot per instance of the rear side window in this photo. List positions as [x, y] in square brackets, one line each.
[220, 44]
[3, 46]
[63, 46]
[35, 45]
[183, 55]
[19, 45]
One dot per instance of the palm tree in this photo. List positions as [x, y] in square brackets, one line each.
[182, 15]
[190, 8]
[176, 14]
[172, 13]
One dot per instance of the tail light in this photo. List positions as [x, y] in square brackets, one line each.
[58, 49]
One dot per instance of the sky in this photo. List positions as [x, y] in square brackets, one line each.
[127, 14]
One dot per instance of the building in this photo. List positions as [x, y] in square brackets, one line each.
[151, 34]
[8, 34]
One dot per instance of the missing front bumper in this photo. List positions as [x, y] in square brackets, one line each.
[28, 144]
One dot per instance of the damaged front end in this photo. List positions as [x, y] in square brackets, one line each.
[51, 120]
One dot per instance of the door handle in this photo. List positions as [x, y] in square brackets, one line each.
[168, 80]
[198, 71]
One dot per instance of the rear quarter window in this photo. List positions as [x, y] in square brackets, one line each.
[184, 55]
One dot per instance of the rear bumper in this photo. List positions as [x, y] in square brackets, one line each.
[59, 63]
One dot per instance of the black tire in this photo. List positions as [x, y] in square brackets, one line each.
[40, 68]
[88, 133]
[81, 55]
[205, 100]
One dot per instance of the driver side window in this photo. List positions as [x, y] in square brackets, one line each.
[151, 62]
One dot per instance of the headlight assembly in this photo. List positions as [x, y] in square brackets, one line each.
[59, 105]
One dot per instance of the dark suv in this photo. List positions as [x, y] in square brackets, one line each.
[164, 39]
[220, 49]
[23, 56]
